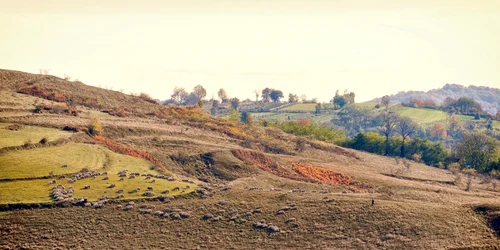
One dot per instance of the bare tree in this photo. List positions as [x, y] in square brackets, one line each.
[303, 98]
[389, 122]
[406, 127]
[257, 93]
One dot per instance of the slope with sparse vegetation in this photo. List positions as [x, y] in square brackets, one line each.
[224, 185]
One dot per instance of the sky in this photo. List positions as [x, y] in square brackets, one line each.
[311, 47]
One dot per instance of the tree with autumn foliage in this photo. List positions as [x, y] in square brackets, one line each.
[438, 131]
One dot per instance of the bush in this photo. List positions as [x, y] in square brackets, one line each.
[44, 140]
[95, 127]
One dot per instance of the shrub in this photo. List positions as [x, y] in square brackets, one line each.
[44, 140]
[95, 127]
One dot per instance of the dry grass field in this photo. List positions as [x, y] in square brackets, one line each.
[222, 199]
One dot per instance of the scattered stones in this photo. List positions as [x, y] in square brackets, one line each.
[257, 211]
[112, 185]
[119, 191]
[105, 178]
[176, 189]
[289, 220]
[223, 202]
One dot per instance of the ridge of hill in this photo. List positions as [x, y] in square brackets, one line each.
[488, 97]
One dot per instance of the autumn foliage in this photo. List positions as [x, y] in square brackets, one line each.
[300, 172]
[322, 175]
[268, 164]
[122, 149]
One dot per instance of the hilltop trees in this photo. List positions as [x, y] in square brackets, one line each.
[222, 95]
[385, 101]
[199, 92]
[179, 95]
[266, 94]
[276, 95]
[235, 103]
[341, 100]
[293, 98]
[256, 92]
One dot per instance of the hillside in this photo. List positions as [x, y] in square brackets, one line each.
[489, 98]
[177, 178]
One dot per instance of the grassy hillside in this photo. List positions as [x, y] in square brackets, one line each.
[12, 135]
[226, 185]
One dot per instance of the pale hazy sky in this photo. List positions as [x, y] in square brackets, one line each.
[312, 47]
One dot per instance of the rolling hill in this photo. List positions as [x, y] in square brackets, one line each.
[177, 178]
[489, 98]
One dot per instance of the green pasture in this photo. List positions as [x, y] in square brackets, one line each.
[31, 134]
[40, 162]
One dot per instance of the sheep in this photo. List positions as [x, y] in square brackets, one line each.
[105, 178]
[257, 211]
[207, 217]
[86, 187]
[150, 188]
[290, 220]
[176, 189]
[64, 166]
[148, 194]
[112, 185]
[119, 191]
[184, 214]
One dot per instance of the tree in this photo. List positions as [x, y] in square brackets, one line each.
[292, 98]
[266, 94]
[179, 95]
[256, 92]
[406, 127]
[339, 101]
[438, 131]
[246, 117]
[199, 92]
[276, 95]
[318, 108]
[222, 95]
[234, 115]
[476, 151]
[454, 127]
[235, 103]
[385, 101]
[389, 122]
[215, 105]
